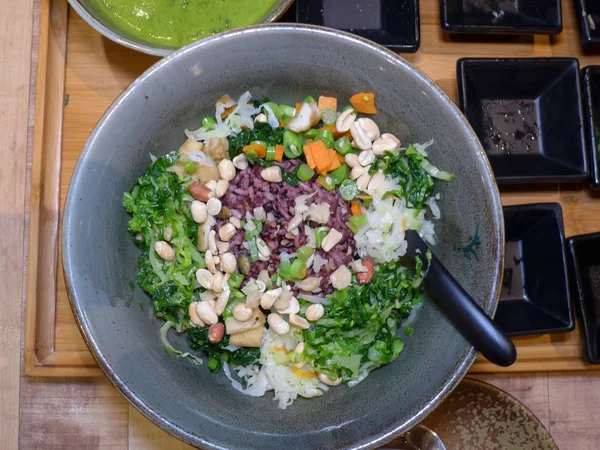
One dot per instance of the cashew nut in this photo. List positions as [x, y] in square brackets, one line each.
[261, 118]
[325, 380]
[388, 142]
[241, 312]
[351, 159]
[199, 212]
[194, 318]
[357, 172]
[217, 284]
[366, 157]
[377, 183]
[240, 161]
[271, 174]
[210, 262]
[314, 312]
[370, 127]
[228, 262]
[205, 278]
[269, 298]
[308, 116]
[213, 206]
[344, 121]
[222, 186]
[226, 169]
[363, 182]
[360, 136]
[206, 313]
[221, 303]
[309, 284]
[293, 307]
[299, 322]
[341, 278]
[226, 232]
[164, 250]
[277, 323]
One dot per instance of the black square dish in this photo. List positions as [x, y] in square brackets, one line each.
[501, 16]
[584, 253]
[535, 296]
[391, 23]
[588, 12]
[528, 114]
[591, 97]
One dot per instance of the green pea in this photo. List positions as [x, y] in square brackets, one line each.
[208, 122]
[292, 144]
[343, 146]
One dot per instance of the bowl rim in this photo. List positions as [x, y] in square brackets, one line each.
[466, 359]
[276, 12]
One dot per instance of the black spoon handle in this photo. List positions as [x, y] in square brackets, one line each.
[458, 306]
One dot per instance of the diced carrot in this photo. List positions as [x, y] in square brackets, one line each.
[336, 134]
[298, 106]
[364, 103]
[321, 156]
[260, 150]
[279, 349]
[303, 374]
[327, 102]
[340, 158]
[228, 111]
[279, 153]
[356, 209]
[309, 158]
[335, 163]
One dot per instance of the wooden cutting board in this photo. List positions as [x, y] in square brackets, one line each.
[80, 73]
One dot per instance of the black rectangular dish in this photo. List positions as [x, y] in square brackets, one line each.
[588, 13]
[584, 255]
[391, 23]
[591, 98]
[528, 115]
[501, 16]
[535, 296]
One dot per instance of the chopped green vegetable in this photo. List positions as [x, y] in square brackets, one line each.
[328, 116]
[305, 252]
[411, 170]
[217, 354]
[286, 112]
[339, 175]
[320, 234]
[327, 182]
[309, 99]
[285, 268]
[348, 190]
[358, 331]
[298, 269]
[270, 156]
[292, 144]
[262, 132]
[326, 136]
[190, 166]
[346, 108]
[305, 173]
[310, 134]
[253, 250]
[158, 200]
[289, 178]
[235, 280]
[355, 223]
[343, 146]
[275, 108]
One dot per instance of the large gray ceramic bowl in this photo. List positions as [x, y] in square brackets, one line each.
[285, 63]
[90, 12]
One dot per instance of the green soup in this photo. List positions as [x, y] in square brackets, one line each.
[174, 23]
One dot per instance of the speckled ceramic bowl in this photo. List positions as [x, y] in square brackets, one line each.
[90, 13]
[285, 63]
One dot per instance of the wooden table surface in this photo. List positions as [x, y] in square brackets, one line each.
[90, 413]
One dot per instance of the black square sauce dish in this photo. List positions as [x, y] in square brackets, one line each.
[588, 13]
[528, 115]
[584, 255]
[501, 16]
[391, 23]
[591, 98]
[535, 296]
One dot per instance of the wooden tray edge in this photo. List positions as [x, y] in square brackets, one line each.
[40, 311]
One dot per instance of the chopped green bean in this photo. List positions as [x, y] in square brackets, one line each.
[310, 134]
[339, 175]
[348, 190]
[235, 280]
[309, 99]
[298, 269]
[327, 182]
[328, 116]
[326, 136]
[343, 146]
[270, 156]
[292, 144]
[305, 173]
[305, 252]
[320, 234]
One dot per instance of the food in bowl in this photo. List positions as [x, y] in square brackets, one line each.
[273, 237]
[174, 24]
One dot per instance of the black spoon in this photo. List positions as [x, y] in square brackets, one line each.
[458, 306]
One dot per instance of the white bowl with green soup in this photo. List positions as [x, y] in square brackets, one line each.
[158, 27]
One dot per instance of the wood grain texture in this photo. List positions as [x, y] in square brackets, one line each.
[72, 414]
[97, 70]
[144, 435]
[16, 20]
